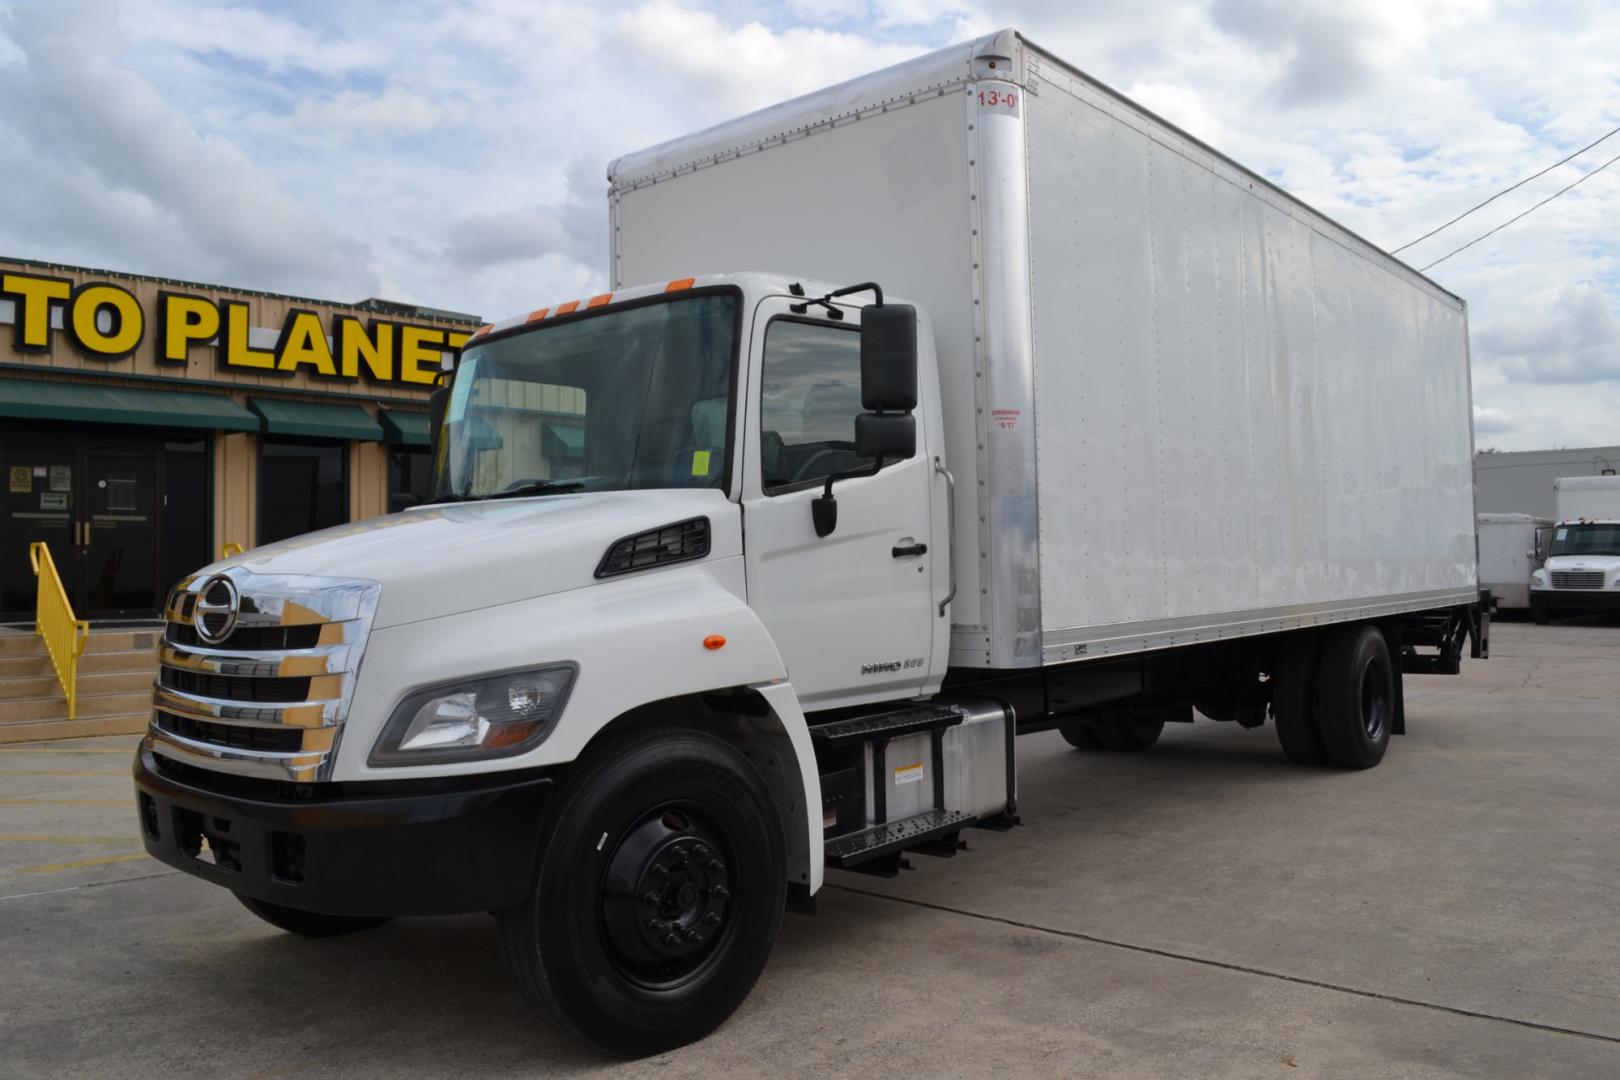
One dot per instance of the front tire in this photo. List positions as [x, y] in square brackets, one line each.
[310, 923]
[1080, 736]
[1129, 734]
[1356, 696]
[1540, 616]
[661, 887]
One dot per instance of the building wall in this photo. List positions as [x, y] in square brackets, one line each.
[1520, 482]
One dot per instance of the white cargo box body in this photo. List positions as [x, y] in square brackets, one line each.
[1506, 543]
[1180, 405]
[1595, 498]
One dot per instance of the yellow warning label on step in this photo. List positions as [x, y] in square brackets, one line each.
[908, 774]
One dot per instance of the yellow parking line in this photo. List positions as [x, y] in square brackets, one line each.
[120, 774]
[52, 750]
[64, 802]
[17, 839]
[51, 868]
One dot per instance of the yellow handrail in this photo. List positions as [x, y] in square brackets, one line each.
[231, 548]
[65, 636]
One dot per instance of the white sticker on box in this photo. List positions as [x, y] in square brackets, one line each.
[908, 774]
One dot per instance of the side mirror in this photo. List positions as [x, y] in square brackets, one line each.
[888, 358]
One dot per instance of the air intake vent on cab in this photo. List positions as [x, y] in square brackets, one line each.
[657, 547]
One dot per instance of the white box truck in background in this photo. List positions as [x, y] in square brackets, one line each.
[1582, 573]
[1039, 414]
[1511, 547]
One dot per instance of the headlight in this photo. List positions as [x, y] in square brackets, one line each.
[487, 717]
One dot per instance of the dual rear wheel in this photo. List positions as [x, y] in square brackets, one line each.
[1334, 698]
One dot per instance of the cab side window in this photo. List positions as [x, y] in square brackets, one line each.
[811, 394]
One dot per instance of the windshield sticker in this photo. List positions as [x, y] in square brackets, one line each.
[1560, 534]
[700, 462]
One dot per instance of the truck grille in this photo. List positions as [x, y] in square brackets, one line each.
[255, 673]
[1577, 579]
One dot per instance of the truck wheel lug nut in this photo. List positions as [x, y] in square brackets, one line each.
[693, 936]
[719, 892]
[712, 918]
[650, 899]
[672, 940]
[717, 867]
[700, 852]
[659, 870]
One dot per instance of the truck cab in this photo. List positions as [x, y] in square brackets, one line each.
[372, 720]
[1581, 575]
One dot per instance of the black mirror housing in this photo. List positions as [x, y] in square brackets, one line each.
[888, 357]
[886, 437]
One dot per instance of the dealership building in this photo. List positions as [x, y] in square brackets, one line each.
[146, 423]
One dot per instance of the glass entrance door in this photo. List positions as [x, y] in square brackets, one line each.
[41, 472]
[95, 500]
[118, 548]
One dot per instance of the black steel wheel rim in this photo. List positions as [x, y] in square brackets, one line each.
[1375, 703]
[668, 895]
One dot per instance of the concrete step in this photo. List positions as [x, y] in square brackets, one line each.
[90, 705]
[38, 730]
[21, 667]
[47, 686]
[30, 644]
[21, 644]
[145, 660]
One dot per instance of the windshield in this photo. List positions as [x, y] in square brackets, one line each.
[1586, 540]
[635, 398]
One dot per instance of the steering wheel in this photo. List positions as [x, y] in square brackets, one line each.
[807, 470]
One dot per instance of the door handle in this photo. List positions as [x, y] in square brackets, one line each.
[909, 549]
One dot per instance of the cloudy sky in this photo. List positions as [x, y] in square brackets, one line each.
[453, 152]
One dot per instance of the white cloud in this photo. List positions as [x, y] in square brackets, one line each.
[452, 151]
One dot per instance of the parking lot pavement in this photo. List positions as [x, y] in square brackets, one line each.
[1203, 910]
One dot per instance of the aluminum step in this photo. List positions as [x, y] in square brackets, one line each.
[894, 837]
[890, 725]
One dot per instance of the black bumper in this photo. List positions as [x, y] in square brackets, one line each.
[1574, 601]
[405, 848]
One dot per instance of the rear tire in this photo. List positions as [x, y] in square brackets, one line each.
[310, 923]
[1129, 734]
[1081, 736]
[1355, 696]
[1293, 702]
[660, 891]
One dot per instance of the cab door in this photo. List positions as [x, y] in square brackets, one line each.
[852, 613]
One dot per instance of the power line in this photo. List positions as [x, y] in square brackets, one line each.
[1503, 192]
[1516, 217]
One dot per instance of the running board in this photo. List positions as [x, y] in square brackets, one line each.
[894, 837]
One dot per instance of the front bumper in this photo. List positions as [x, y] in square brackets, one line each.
[1575, 600]
[398, 848]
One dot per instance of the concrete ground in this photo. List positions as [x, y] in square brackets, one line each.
[1203, 910]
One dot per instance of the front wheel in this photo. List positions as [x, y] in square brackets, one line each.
[1129, 734]
[309, 923]
[1539, 616]
[661, 886]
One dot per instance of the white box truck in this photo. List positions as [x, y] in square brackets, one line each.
[963, 400]
[1582, 573]
[1511, 548]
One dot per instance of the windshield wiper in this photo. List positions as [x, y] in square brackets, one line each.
[537, 487]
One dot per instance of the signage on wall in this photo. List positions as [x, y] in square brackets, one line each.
[107, 322]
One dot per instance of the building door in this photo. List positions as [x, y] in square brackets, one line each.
[94, 500]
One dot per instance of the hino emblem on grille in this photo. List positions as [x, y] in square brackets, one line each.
[217, 604]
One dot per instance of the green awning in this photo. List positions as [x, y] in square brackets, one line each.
[27, 399]
[406, 428]
[316, 421]
[563, 441]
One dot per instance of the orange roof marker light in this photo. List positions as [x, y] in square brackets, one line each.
[714, 641]
[482, 330]
[568, 308]
[680, 284]
[598, 301]
[537, 314]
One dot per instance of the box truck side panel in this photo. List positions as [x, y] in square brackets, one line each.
[1247, 420]
[882, 198]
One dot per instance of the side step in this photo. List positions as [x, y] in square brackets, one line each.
[894, 837]
[887, 725]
